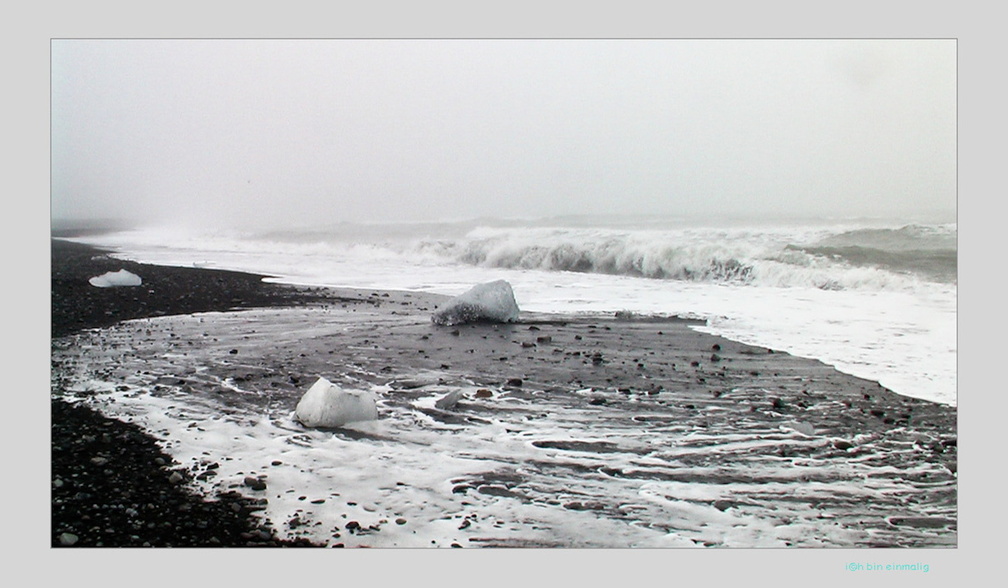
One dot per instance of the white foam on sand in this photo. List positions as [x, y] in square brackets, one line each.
[523, 474]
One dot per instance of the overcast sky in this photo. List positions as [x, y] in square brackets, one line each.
[259, 133]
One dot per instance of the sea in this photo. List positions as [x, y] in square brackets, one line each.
[875, 298]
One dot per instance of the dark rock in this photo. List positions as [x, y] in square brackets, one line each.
[255, 483]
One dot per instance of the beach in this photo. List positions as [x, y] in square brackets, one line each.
[617, 430]
[104, 470]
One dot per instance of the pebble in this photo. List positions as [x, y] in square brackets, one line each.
[843, 444]
[175, 478]
[67, 539]
[255, 483]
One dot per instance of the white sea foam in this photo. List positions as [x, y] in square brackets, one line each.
[757, 285]
[508, 469]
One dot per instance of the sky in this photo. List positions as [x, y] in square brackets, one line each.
[264, 133]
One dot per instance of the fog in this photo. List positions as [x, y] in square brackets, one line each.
[260, 133]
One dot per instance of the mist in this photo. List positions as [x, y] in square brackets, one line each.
[261, 133]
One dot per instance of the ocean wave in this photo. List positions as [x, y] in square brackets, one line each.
[906, 238]
[747, 257]
[828, 258]
[940, 265]
[609, 256]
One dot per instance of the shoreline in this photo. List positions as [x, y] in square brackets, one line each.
[644, 364]
[111, 483]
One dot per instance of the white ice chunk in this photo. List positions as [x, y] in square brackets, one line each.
[800, 427]
[492, 301]
[114, 279]
[448, 401]
[325, 405]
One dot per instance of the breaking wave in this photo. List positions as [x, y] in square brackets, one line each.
[830, 258]
[827, 260]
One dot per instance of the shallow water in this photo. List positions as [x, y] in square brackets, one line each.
[531, 465]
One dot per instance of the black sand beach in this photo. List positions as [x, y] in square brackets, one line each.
[657, 369]
[111, 483]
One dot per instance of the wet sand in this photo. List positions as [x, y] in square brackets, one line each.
[787, 435]
[112, 484]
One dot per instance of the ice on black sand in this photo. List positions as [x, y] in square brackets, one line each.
[491, 302]
[326, 405]
[115, 279]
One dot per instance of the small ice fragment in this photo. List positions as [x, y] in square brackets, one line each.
[325, 405]
[803, 428]
[448, 401]
[492, 301]
[115, 279]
